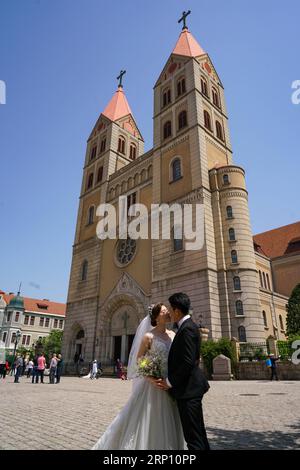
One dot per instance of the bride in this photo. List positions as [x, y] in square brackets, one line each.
[150, 419]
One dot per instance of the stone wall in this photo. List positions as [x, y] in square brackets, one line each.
[259, 371]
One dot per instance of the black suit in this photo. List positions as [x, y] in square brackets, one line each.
[188, 384]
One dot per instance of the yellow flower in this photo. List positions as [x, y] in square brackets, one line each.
[143, 363]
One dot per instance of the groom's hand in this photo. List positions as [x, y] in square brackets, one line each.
[162, 384]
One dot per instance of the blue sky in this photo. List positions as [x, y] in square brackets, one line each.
[59, 60]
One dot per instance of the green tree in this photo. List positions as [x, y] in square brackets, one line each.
[52, 343]
[293, 312]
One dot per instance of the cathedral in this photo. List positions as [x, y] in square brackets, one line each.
[113, 282]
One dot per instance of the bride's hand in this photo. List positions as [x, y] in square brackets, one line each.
[152, 380]
[162, 384]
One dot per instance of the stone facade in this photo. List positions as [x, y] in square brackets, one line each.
[107, 300]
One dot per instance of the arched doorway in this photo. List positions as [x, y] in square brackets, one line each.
[122, 330]
[77, 343]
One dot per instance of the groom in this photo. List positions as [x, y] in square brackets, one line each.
[186, 382]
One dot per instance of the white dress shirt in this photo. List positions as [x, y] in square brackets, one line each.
[183, 319]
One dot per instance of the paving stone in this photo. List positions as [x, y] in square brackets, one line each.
[74, 413]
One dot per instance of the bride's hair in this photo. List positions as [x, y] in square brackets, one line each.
[154, 313]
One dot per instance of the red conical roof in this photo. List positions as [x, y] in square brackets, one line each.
[118, 106]
[187, 45]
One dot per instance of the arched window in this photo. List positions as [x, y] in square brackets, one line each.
[103, 145]
[229, 212]
[166, 97]
[264, 279]
[93, 152]
[207, 120]
[260, 279]
[237, 283]
[80, 334]
[268, 281]
[177, 242]
[204, 88]
[84, 270]
[242, 334]
[215, 97]
[90, 181]
[167, 129]
[232, 235]
[234, 257]
[91, 214]
[226, 179]
[100, 174]
[176, 169]
[219, 130]
[121, 145]
[132, 154]
[182, 120]
[239, 308]
[265, 319]
[281, 323]
[181, 86]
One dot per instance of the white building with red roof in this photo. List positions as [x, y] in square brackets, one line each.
[33, 318]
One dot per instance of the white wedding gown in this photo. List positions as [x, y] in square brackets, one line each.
[149, 420]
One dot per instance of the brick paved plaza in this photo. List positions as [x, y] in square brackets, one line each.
[74, 413]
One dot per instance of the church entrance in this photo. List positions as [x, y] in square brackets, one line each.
[117, 347]
[123, 326]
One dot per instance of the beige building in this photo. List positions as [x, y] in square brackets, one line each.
[113, 282]
[33, 318]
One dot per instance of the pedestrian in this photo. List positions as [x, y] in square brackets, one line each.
[94, 369]
[4, 368]
[120, 370]
[29, 368]
[79, 362]
[41, 367]
[53, 368]
[24, 364]
[35, 372]
[59, 368]
[18, 368]
[271, 364]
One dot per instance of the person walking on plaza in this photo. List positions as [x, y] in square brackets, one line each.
[120, 370]
[29, 368]
[25, 362]
[18, 368]
[35, 372]
[41, 367]
[94, 369]
[53, 368]
[271, 363]
[59, 368]
[4, 368]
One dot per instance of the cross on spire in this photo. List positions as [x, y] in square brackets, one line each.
[183, 18]
[120, 77]
[19, 291]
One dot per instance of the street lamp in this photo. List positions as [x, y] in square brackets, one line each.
[17, 339]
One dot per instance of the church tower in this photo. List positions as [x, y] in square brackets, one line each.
[113, 282]
[114, 142]
[192, 163]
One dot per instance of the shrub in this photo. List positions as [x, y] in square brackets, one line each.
[211, 349]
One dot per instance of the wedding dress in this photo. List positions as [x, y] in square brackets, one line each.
[149, 420]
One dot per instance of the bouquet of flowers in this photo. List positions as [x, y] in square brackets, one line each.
[151, 365]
